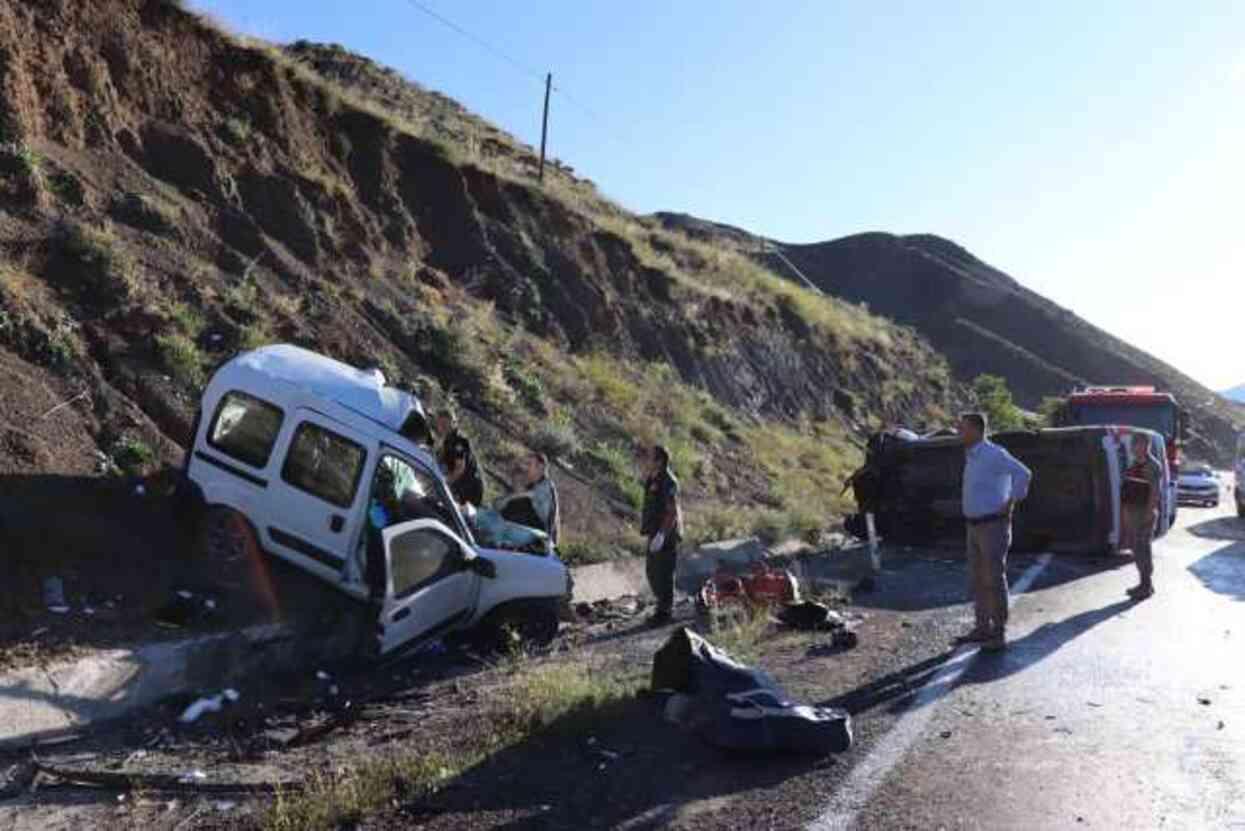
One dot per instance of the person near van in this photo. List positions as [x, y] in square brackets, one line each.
[994, 481]
[462, 472]
[536, 506]
[662, 524]
[1139, 511]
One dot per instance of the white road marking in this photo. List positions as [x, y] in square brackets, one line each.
[869, 774]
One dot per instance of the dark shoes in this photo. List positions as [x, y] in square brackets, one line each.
[977, 635]
[995, 643]
[659, 618]
[1141, 592]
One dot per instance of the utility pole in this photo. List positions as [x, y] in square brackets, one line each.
[544, 125]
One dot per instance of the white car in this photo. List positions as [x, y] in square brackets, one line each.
[1198, 485]
[301, 456]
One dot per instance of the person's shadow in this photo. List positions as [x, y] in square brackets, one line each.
[926, 681]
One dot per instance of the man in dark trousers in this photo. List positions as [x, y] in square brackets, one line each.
[462, 472]
[1140, 511]
[662, 524]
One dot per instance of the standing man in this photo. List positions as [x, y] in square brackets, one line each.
[459, 462]
[662, 524]
[1139, 511]
[536, 506]
[993, 483]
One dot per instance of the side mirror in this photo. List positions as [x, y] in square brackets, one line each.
[482, 566]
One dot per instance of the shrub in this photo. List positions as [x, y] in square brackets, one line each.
[181, 358]
[557, 436]
[108, 272]
[132, 456]
[995, 400]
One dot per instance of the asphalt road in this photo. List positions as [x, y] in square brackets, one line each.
[1102, 714]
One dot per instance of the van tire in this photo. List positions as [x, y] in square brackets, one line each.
[225, 536]
[525, 624]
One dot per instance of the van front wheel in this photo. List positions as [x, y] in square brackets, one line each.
[225, 536]
[519, 625]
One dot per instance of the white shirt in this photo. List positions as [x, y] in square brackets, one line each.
[992, 477]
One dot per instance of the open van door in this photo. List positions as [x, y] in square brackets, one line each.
[431, 584]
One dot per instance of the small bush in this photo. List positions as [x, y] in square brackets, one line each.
[109, 275]
[132, 456]
[188, 318]
[583, 552]
[557, 436]
[67, 188]
[181, 358]
[21, 159]
[237, 130]
[529, 387]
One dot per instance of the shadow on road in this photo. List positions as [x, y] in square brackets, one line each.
[1037, 646]
[1223, 571]
[925, 682]
[915, 580]
[1228, 528]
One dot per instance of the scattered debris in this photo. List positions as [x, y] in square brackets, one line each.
[210, 704]
[762, 587]
[811, 616]
[946, 734]
[1205, 702]
[739, 708]
[606, 611]
[54, 595]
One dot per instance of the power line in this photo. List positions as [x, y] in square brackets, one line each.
[497, 51]
[507, 57]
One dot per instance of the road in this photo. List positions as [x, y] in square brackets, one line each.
[1102, 714]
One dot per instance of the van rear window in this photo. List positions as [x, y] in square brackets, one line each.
[245, 428]
[324, 464]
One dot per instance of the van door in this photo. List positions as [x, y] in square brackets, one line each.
[430, 587]
[316, 501]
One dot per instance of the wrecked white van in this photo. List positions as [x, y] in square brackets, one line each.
[309, 460]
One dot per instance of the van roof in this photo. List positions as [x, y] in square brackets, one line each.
[363, 392]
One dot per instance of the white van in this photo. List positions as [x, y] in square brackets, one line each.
[302, 457]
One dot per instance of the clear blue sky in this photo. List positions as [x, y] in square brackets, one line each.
[1094, 151]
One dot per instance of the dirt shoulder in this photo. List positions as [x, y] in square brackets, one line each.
[569, 739]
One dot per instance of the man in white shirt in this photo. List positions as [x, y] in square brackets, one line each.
[993, 483]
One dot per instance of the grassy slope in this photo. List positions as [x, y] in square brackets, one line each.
[172, 194]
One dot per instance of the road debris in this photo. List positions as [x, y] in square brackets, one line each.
[811, 616]
[54, 596]
[209, 704]
[739, 708]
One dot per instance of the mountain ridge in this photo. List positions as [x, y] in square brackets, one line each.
[982, 319]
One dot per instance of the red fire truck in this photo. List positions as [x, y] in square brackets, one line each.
[1129, 406]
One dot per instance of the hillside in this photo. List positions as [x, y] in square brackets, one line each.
[984, 321]
[1236, 394]
[170, 194]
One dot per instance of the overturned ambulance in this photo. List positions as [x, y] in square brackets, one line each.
[912, 488]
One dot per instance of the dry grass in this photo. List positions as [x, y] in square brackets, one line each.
[562, 698]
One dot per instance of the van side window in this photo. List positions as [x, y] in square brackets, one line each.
[245, 428]
[324, 464]
[417, 557]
